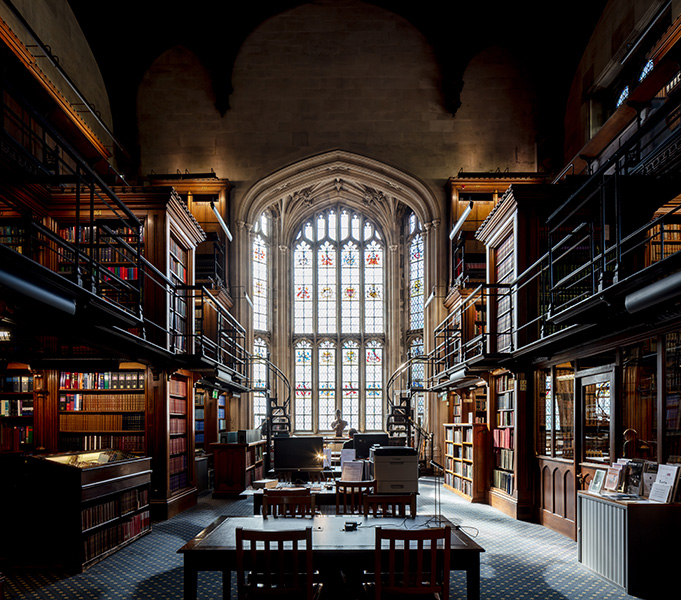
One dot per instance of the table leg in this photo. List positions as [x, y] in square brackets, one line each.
[191, 580]
[473, 579]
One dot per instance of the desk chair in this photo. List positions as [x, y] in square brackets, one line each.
[390, 505]
[275, 564]
[421, 571]
[350, 496]
[293, 502]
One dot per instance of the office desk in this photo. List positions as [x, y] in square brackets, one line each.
[214, 549]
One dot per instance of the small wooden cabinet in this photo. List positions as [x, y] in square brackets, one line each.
[465, 459]
[631, 544]
[237, 466]
[97, 503]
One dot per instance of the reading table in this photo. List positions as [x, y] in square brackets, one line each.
[334, 549]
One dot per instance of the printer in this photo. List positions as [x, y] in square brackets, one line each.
[395, 469]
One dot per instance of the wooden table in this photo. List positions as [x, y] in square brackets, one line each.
[214, 549]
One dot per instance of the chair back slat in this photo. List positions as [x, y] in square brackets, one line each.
[350, 496]
[274, 563]
[417, 561]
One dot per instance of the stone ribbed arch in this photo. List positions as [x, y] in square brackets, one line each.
[358, 182]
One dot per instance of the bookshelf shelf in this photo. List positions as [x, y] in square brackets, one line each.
[465, 459]
[237, 466]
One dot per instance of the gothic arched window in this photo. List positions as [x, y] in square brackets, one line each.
[338, 300]
[416, 273]
[260, 267]
[259, 382]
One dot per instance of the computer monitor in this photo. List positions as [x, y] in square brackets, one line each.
[302, 454]
[364, 441]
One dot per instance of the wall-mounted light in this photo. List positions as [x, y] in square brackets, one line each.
[460, 222]
[430, 299]
[245, 296]
[221, 221]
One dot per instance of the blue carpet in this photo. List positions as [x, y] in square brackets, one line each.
[521, 561]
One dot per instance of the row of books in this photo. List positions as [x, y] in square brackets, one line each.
[125, 273]
[503, 480]
[177, 445]
[178, 463]
[11, 438]
[16, 383]
[178, 481]
[133, 500]
[93, 402]
[503, 438]
[178, 406]
[99, 542]
[178, 426]
[16, 407]
[464, 486]
[101, 422]
[503, 458]
[126, 443]
[109, 380]
[505, 418]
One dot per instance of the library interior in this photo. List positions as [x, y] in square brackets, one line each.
[319, 275]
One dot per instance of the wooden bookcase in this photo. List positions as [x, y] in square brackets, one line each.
[101, 410]
[16, 410]
[465, 449]
[98, 503]
[237, 466]
[170, 433]
[200, 404]
[503, 434]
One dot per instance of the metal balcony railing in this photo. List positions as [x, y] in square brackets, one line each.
[94, 244]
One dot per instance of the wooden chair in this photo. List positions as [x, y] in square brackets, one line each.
[293, 502]
[413, 566]
[390, 505]
[275, 563]
[350, 496]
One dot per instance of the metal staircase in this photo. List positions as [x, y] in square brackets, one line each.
[404, 386]
[278, 419]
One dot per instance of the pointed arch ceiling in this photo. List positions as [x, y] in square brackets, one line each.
[356, 181]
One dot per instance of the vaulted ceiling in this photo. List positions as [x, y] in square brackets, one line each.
[130, 34]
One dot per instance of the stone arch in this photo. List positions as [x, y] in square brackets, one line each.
[359, 182]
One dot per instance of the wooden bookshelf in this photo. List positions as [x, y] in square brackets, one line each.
[237, 466]
[503, 434]
[16, 410]
[99, 410]
[465, 448]
[200, 404]
[99, 503]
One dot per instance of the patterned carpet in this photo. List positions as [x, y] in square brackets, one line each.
[521, 560]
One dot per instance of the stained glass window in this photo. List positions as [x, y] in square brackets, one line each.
[350, 382]
[417, 368]
[416, 283]
[259, 283]
[647, 68]
[623, 96]
[259, 382]
[302, 288]
[327, 384]
[303, 386]
[374, 386]
[338, 298]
